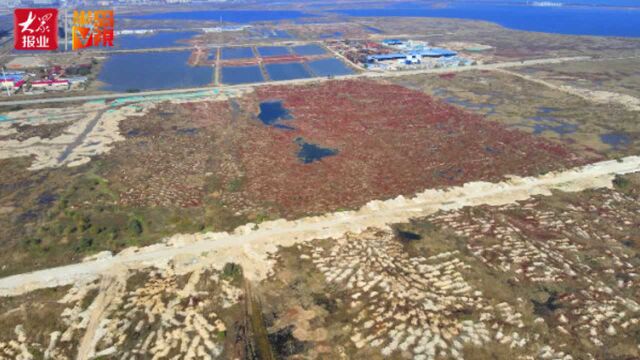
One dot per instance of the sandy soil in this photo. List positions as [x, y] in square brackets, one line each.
[94, 128]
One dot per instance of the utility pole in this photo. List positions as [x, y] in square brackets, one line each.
[66, 25]
[4, 80]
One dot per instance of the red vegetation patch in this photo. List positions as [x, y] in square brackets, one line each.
[240, 62]
[283, 59]
[448, 76]
[391, 141]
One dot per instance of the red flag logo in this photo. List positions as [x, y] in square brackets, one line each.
[35, 29]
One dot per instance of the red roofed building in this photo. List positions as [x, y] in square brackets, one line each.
[50, 84]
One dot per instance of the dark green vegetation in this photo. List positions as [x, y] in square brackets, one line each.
[59, 216]
[130, 197]
[259, 344]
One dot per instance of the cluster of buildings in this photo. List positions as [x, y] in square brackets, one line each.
[12, 82]
[410, 52]
[400, 53]
[50, 85]
[396, 54]
[226, 28]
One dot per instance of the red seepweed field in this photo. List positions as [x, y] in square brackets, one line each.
[378, 140]
[390, 140]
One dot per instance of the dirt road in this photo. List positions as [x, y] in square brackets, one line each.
[249, 245]
[110, 288]
[596, 96]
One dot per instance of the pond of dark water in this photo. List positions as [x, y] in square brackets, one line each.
[310, 153]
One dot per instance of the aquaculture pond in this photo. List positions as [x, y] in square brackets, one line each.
[310, 153]
[266, 51]
[152, 71]
[232, 53]
[311, 49]
[329, 67]
[287, 71]
[241, 74]
[336, 34]
[154, 40]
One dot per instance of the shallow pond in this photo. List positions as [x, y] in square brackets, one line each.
[329, 67]
[273, 111]
[311, 49]
[616, 139]
[152, 71]
[233, 53]
[554, 125]
[266, 51]
[241, 74]
[310, 153]
[287, 71]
